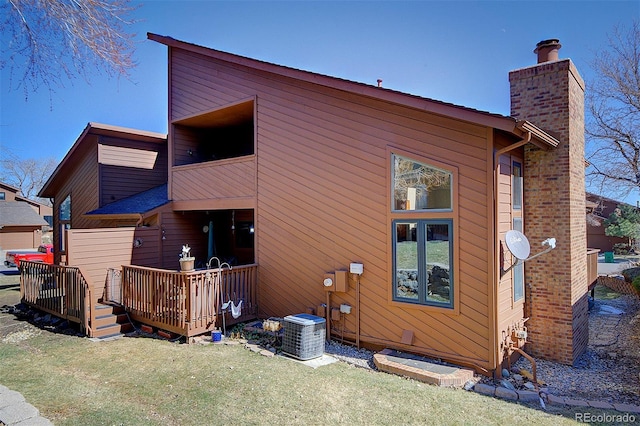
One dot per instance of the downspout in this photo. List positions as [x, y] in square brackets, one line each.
[496, 248]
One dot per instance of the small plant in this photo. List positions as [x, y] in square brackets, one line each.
[186, 252]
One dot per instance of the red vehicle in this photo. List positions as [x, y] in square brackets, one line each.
[44, 254]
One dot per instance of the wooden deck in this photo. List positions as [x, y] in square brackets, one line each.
[187, 303]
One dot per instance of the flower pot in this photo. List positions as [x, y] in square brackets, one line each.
[187, 264]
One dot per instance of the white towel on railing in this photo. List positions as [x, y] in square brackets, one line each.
[236, 311]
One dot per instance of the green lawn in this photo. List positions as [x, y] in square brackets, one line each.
[144, 381]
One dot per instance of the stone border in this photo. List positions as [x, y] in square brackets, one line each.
[532, 396]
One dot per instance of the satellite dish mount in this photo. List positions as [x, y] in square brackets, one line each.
[518, 245]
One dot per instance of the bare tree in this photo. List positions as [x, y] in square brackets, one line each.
[613, 127]
[48, 41]
[29, 175]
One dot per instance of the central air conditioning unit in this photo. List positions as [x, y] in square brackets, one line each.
[304, 336]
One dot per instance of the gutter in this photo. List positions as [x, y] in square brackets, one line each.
[536, 135]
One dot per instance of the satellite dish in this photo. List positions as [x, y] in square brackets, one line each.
[517, 244]
[519, 247]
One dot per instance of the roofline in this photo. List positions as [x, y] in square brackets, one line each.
[99, 129]
[496, 121]
[602, 197]
[114, 216]
[127, 216]
[28, 201]
[7, 186]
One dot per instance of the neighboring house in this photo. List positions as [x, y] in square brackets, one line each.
[19, 228]
[304, 174]
[600, 208]
[105, 167]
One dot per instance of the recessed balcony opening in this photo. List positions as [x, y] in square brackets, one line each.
[219, 134]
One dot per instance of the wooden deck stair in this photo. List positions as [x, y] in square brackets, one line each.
[111, 321]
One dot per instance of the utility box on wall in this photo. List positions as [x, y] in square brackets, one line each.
[342, 281]
[338, 281]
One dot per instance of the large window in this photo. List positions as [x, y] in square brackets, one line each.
[418, 186]
[422, 233]
[423, 256]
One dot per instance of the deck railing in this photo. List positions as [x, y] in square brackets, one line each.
[59, 290]
[187, 303]
[592, 267]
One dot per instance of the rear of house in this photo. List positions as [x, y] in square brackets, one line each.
[327, 172]
[381, 211]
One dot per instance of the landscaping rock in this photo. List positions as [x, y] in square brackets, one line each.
[528, 396]
[506, 393]
[485, 389]
[507, 384]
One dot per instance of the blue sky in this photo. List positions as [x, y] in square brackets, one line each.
[454, 51]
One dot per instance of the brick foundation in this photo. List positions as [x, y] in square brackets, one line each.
[551, 96]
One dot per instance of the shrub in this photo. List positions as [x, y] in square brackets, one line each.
[631, 274]
[636, 283]
[621, 248]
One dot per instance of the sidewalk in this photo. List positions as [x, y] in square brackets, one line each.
[14, 410]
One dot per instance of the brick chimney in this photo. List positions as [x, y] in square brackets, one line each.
[551, 96]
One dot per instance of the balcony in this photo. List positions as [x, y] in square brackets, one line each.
[222, 184]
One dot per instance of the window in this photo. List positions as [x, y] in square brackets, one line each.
[518, 271]
[423, 255]
[516, 173]
[64, 216]
[418, 186]
[2, 196]
[422, 232]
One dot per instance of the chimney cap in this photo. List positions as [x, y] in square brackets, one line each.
[547, 50]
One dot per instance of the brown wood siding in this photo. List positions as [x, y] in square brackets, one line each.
[183, 141]
[182, 228]
[323, 200]
[224, 179]
[509, 313]
[118, 182]
[93, 251]
[83, 188]
[147, 251]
